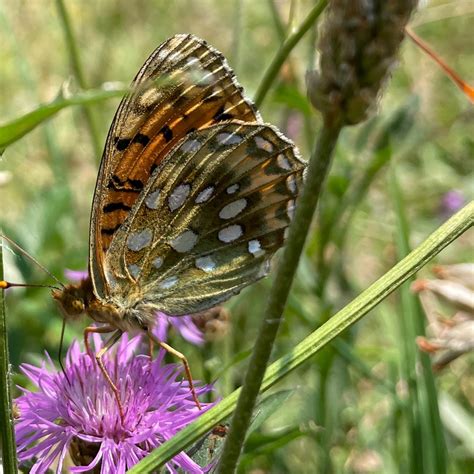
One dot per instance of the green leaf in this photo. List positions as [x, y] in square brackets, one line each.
[267, 407]
[290, 96]
[13, 130]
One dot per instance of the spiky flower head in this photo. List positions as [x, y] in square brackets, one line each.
[76, 413]
[357, 52]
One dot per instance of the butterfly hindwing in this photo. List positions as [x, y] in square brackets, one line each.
[185, 85]
[208, 220]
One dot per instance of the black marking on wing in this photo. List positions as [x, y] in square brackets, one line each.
[141, 138]
[110, 231]
[221, 115]
[122, 143]
[128, 185]
[114, 206]
[167, 133]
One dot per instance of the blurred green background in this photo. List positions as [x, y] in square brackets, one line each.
[351, 410]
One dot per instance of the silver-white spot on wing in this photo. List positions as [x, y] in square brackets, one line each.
[206, 79]
[206, 264]
[134, 270]
[290, 209]
[178, 196]
[283, 162]
[291, 184]
[226, 138]
[204, 195]
[190, 146]
[233, 209]
[169, 282]
[185, 241]
[192, 62]
[139, 240]
[255, 248]
[233, 188]
[157, 262]
[230, 233]
[263, 144]
[151, 201]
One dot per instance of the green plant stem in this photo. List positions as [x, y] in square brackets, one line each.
[307, 348]
[284, 51]
[318, 169]
[277, 23]
[428, 448]
[6, 414]
[79, 75]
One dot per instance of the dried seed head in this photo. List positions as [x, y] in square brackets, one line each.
[214, 322]
[453, 336]
[357, 52]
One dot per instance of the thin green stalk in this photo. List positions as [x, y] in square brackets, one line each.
[284, 51]
[408, 334]
[312, 344]
[319, 166]
[73, 52]
[6, 414]
[277, 23]
[430, 455]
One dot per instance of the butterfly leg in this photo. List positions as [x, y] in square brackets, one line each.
[151, 346]
[94, 329]
[98, 357]
[183, 360]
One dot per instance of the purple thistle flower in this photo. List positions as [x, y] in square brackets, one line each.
[76, 412]
[184, 325]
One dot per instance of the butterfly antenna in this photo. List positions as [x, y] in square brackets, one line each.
[5, 284]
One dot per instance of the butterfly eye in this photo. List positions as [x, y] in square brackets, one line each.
[77, 306]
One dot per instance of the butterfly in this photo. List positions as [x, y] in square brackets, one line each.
[193, 197]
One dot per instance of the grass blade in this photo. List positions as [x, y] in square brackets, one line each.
[13, 130]
[427, 443]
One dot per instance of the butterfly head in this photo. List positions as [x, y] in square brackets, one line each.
[71, 300]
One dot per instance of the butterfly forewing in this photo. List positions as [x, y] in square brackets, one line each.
[185, 85]
[208, 220]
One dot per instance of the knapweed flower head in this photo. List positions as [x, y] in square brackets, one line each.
[184, 325]
[76, 413]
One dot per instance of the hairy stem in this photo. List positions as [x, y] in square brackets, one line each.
[6, 414]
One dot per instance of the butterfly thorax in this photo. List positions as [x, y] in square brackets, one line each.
[74, 300]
